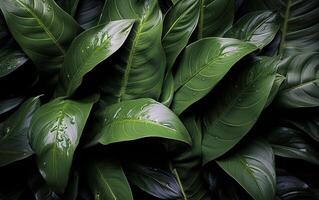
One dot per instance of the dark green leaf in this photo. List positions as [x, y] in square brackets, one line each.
[10, 60]
[234, 112]
[275, 88]
[107, 180]
[253, 168]
[139, 70]
[202, 65]
[258, 27]
[290, 143]
[154, 181]
[55, 132]
[168, 90]
[216, 16]
[14, 143]
[88, 12]
[88, 50]
[179, 24]
[9, 104]
[69, 6]
[42, 29]
[301, 88]
[137, 119]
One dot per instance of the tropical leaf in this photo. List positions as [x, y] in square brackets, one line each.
[253, 168]
[154, 181]
[299, 24]
[88, 12]
[9, 104]
[139, 70]
[14, 143]
[202, 65]
[42, 29]
[258, 27]
[279, 79]
[302, 79]
[107, 180]
[234, 113]
[290, 143]
[179, 23]
[189, 162]
[55, 131]
[137, 119]
[88, 50]
[216, 16]
[167, 95]
[69, 6]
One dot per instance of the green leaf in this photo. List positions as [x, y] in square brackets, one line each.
[154, 181]
[88, 12]
[55, 132]
[42, 29]
[216, 16]
[138, 71]
[167, 95]
[14, 143]
[299, 24]
[69, 6]
[137, 119]
[186, 165]
[258, 27]
[9, 104]
[302, 78]
[202, 65]
[290, 143]
[88, 50]
[179, 23]
[107, 180]
[235, 111]
[253, 168]
[275, 88]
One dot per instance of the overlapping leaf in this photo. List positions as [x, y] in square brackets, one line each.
[253, 168]
[88, 50]
[55, 132]
[202, 65]
[139, 69]
[237, 109]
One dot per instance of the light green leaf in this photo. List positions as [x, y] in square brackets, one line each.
[88, 50]
[253, 168]
[235, 111]
[138, 71]
[42, 29]
[290, 143]
[301, 88]
[258, 27]
[55, 132]
[202, 65]
[179, 23]
[107, 180]
[216, 16]
[137, 119]
[14, 143]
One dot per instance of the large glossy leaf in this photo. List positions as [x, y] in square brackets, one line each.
[236, 110]
[302, 79]
[138, 71]
[187, 164]
[258, 27]
[290, 143]
[275, 88]
[42, 29]
[253, 168]
[167, 95]
[137, 119]
[88, 12]
[179, 23]
[216, 16]
[55, 131]
[88, 50]
[107, 180]
[299, 24]
[202, 65]
[14, 143]
[292, 188]
[154, 181]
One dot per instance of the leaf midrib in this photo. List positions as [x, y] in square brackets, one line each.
[285, 27]
[49, 34]
[105, 182]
